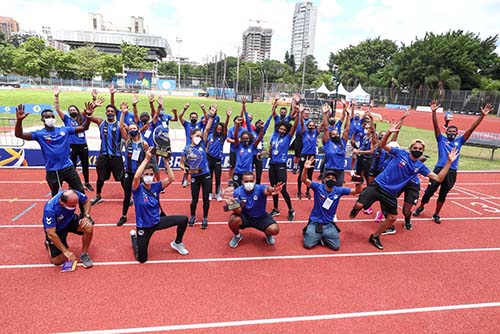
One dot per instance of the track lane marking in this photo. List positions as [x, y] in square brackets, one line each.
[268, 321]
[466, 207]
[264, 258]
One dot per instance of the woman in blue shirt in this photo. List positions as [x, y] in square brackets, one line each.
[215, 144]
[194, 160]
[147, 210]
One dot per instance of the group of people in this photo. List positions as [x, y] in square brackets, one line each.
[128, 152]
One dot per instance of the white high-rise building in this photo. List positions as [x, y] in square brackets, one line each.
[257, 44]
[303, 30]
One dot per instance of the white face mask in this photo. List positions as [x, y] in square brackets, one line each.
[148, 179]
[196, 140]
[71, 208]
[50, 122]
[249, 186]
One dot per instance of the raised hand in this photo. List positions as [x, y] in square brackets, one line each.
[393, 127]
[20, 114]
[434, 105]
[124, 107]
[486, 109]
[160, 100]
[309, 163]
[453, 155]
[187, 105]
[111, 89]
[149, 153]
[301, 108]
[56, 91]
[135, 100]
[151, 98]
[99, 102]
[275, 101]
[325, 108]
[212, 111]
[94, 94]
[243, 100]
[296, 97]
[89, 108]
[229, 111]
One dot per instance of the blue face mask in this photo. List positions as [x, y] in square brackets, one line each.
[134, 133]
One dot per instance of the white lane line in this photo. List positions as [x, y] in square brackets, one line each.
[268, 321]
[266, 258]
[466, 207]
[484, 197]
[370, 220]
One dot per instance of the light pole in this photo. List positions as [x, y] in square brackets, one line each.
[250, 82]
[237, 71]
[179, 41]
[336, 83]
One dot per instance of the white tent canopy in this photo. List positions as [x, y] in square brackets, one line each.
[359, 95]
[342, 90]
[323, 89]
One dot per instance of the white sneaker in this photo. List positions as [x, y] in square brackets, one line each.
[179, 248]
[335, 218]
[210, 196]
[218, 197]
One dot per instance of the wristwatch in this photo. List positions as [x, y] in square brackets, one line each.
[87, 215]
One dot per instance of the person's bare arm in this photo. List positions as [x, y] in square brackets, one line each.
[434, 107]
[484, 111]
[170, 176]
[308, 164]
[20, 116]
[326, 134]
[442, 174]
[57, 105]
[138, 173]
[123, 129]
[135, 100]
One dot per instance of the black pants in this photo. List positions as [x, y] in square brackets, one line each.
[363, 166]
[310, 171]
[277, 173]
[444, 187]
[215, 167]
[68, 175]
[81, 151]
[127, 191]
[257, 163]
[205, 182]
[105, 165]
[141, 242]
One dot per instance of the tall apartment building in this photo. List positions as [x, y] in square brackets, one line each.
[257, 44]
[8, 25]
[303, 30]
[96, 22]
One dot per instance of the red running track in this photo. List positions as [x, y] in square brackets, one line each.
[435, 278]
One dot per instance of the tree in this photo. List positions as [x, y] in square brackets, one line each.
[453, 60]
[7, 54]
[87, 62]
[167, 68]
[134, 57]
[312, 71]
[110, 65]
[365, 62]
[30, 59]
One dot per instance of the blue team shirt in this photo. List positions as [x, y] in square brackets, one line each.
[128, 118]
[337, 126]
[399, 171]
[244, 158]
[147, 205]
[188, 128]
[380, 157]
[147, 135]
[214, 123]
[445, 146]
[309, 141]
[55, 215]
[230, 134]
[198, 158]
[255, 201]
[134, 155]
[77, 138]
[110, 138]
[215, 145]
[279, 147]
[321, 212]
[163, 121]
[356, 131]
[335, 154]
[54, 144]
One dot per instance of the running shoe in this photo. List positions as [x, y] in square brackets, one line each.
[390, 230]
[86, 261]
[88, 186]
[180, 248]
[235, 240]
[270, 240]
[418, 211]
[375, 241]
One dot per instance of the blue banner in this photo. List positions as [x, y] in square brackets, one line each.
[166, 84]
[29, 108]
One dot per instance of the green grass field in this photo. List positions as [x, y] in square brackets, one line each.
[472, 158]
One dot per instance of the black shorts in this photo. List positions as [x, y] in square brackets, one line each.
[107, 164]
[260, 223]
[412, 192]
[232, 159]
[449, 179]
[237, 180]
[374, 193]
[374, 172]
[62, 234]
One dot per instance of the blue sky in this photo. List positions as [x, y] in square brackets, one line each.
[208, 27]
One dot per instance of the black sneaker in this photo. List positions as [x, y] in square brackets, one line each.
[131, 202]
[375, 241]
[418, 211]
[192, 221]
[299, 195]
[86, 261]
[308, 195]
[88, 186]
[275, 212]
[390, 230]
[291, 215]
[408, 225]
[98, 199]
[122, 221]
[294, 170]
[204, 223]
[354, 213]
[436, 219]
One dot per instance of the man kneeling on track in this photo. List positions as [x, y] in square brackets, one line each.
[321, 226]
[250, 210]
[59, 219]
[147, 210]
